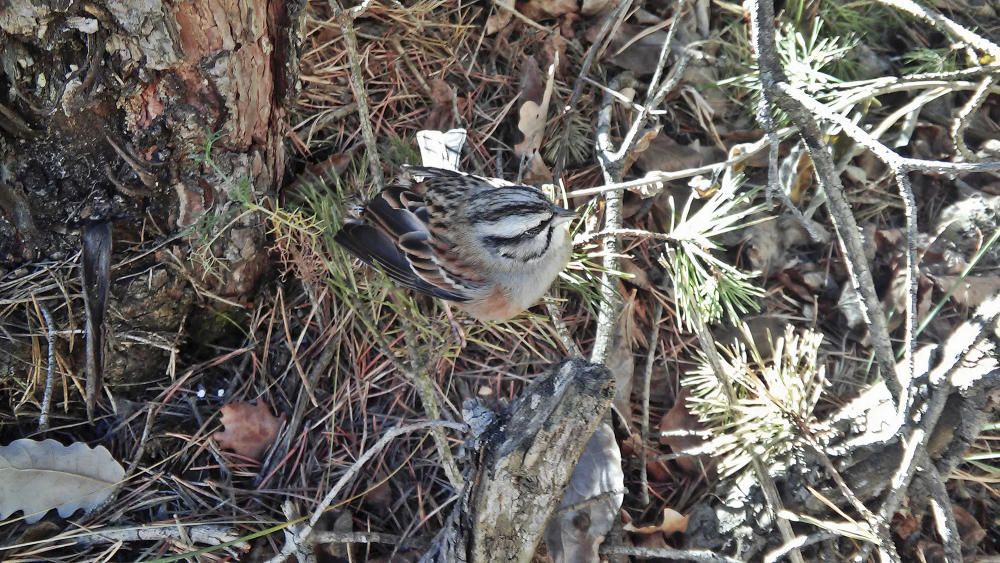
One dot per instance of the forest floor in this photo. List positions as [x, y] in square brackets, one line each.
[334, 354]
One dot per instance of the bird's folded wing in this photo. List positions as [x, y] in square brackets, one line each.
[393, 235]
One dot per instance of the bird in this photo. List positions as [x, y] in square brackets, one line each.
[490, 246]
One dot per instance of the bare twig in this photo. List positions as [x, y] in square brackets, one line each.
[425, 390]
[50, 337]
[944, 516]
[797, 543]
[346, 21]
[572, 350]
[204, 534]
[666, 552]
[417, 374]
[610, 20]
[773, 499]
[967, 111]
[772, 79]
[367, 537]
[304, 536]
[611, 301]
[945, 25]
[651, 341]
[967, 337]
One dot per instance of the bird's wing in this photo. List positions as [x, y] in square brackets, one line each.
[394, 234]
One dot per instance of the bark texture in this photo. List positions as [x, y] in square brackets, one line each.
[526, 459]
[160, 117]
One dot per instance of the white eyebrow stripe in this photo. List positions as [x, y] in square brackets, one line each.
[512, 225]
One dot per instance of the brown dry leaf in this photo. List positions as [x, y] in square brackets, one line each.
[574, 536]
[498, 20]
[546, 9]
[640, 277]
[969, 529]
[970, 291]
[344, 523]
[905, 526]
[37, 476]
[680, 420]
[642, 142]
[553, 52]
[673, 522]
[765, 247]
[442, 114]
[536, 92]
[250, 429]
[803, 178]
[598, 7]
[380, 494]
[631, 50]
[667, 155]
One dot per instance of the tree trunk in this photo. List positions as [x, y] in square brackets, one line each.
[163, 118]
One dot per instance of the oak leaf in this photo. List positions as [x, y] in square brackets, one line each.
[250, 429]
[36, 477]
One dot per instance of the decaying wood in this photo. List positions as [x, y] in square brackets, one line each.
[526, 459]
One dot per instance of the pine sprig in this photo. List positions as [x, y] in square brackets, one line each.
[774, 398]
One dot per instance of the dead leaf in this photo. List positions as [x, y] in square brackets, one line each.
[640, 277]
[498, 20]
[849, 305]
[574, 536]
[673, 522]
[969, 529]
[631, 50]
[764, 332]
[765, 247]
[553, 52]
[597, 7]
[536, 92]
[905, 526]
[683, 427]
[970, 291]
[442, 114]
[667, 155]
[546, 9]
[344, 523]
[380, 494]
[36, 477]
[250, 429]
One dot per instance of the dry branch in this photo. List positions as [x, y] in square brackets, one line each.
[526, 461]
[862, 442]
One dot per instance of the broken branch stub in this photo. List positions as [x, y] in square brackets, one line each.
[525, 462]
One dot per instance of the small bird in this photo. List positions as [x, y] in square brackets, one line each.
[492, 247]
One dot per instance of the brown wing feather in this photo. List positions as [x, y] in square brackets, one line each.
[393, 233]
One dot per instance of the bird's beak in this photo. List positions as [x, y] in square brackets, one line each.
[563, 215]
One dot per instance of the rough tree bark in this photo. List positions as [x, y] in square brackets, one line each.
[525, 460]
[106, 111]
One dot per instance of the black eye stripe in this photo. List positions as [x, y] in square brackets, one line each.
[544, 249]
[497, 240]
